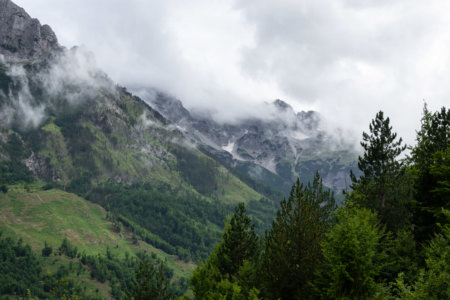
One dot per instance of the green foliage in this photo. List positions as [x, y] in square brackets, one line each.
[384, 186]
[47, 250]
[68, 249]
[122, 273]
[81, 184]
[292, 247]
[270, 185]
[400, 256]
[15, 147]
[52, 215]
[14, 170]
[198, 170]
[434, 281]
[149, 283]
[19, 267]
[229, 272]
[225, 289]
[185, 223]
[262, 213]
[21, 274]
[431, 170]
[350, 251]
[239, 243]
[79, 139]
[430, 159]
[440, 170]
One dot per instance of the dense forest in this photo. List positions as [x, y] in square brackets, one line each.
[388, 239]
[106, 195]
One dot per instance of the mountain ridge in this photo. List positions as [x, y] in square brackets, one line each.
[65, 125]
[23, 38]
[283, 144]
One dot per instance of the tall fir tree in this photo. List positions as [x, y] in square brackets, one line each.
[431, 169]
[229, 272]
[149, 282]
[384, 185]
[292, 247]
[239, 242]
[433, 281]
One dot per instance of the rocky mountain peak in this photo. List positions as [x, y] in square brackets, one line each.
[282, 106]
[171, 108]
[23, 38]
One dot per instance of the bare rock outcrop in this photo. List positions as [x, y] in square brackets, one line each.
[23, 38]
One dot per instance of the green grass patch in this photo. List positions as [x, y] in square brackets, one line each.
[38, 216]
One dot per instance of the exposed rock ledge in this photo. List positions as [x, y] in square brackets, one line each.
[22, 38]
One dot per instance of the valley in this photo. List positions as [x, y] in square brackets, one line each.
[126, 192]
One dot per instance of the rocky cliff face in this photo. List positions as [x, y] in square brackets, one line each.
[23, 38]
[274, 149]
[65, 122]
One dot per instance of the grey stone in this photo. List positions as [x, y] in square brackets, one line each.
[23, 38]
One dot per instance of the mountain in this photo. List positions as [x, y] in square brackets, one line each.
[65, 126]
[45, 217]
[22, 37]
[169, 178]
[274, 148]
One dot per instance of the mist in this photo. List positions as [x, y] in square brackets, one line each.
[71, 76]
[345, 59]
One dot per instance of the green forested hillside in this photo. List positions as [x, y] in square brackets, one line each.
[390, 238]
[45, 218]
[163, 204]
[96, 141]
[111, 148]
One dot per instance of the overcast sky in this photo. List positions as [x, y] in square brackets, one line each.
[347, 59]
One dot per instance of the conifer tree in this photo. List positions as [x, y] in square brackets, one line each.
[229, 272]
[149, 283]
[292, 247]
[432, 281]
[239, 242]
[431, 165]
[384, 185]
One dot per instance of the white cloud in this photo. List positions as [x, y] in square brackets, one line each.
[72, 76]
[346, 58]
[28, 112]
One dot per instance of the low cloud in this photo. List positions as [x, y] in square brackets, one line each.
[22, 105]
[75, 76]
[72, 76]
[346, 59]
[350, 59]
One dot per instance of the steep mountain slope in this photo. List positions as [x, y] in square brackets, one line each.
[22, 37]
[45, 217]
[275, 148]
[66, 123]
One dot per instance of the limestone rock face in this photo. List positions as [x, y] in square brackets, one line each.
[23, 38]
[274, 149]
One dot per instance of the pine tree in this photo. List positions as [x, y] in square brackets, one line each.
[433, 281]
[47, 250]
[384, 185]
[229, 272]
[292, 247]
[149, 283]
[239, 243]
[430, 159]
